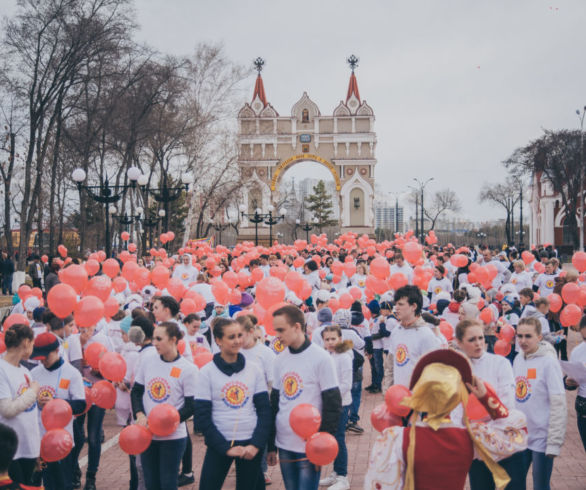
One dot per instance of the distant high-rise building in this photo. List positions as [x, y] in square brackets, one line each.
[385, 216]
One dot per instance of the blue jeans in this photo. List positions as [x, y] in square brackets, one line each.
[341, 461]
[542, 468]
[377, 375]
[356, 392]
[7, 284]
[581, 419]
[481, 477]
[298, 475]
[216, 466]
[95, 417]
[160, 463]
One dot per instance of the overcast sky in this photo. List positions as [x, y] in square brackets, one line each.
[456, 85]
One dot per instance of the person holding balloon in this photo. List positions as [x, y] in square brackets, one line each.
[18, 407]
[58, 379]
[540, 395]
[304, 374]
[95, 415]
[497, 371]
[169, 381]
[232, 410]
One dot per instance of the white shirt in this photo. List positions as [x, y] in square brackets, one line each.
[167, 382]
[437, 286]
[233, 411]
[521, 280]
[405, 269]
[407, 346]
[14, 381]
[545, 283]
[535, 380]
[196, 341]
[264, 358]
[300, 378]
[205, 290]
[498, 372]
[65, 383]
[186, 273]
[343, 363]
[579, 355]
[72, 350]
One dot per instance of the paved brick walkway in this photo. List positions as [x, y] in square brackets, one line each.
[569, 469]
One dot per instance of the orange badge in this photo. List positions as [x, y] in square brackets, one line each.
[531, 373]
[175, 372]
[64, 384]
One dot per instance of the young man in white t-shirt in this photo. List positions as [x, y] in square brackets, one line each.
[410, 339]
[304, 373]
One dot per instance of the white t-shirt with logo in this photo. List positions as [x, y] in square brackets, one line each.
[437, 286]
[545, 283]
[407, 346]
[70, 348]
[536, 380]
[264, 358]
[521, 280]
[233, 411]
[14, 381]
[405, 269]
[166, 382]
[300, 378]
[65, 383]
[197, 340]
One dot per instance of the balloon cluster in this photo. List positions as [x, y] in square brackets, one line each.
[321, 448]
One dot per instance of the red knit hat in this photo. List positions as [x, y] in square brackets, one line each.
[45, 343]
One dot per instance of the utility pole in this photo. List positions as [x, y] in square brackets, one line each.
[521, 216]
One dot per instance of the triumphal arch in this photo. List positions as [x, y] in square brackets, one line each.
[344, 143]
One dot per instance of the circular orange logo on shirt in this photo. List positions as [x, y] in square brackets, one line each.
[549, 284]
[292, 385]
[277, 346]
[235, 394]
[401, 355]
[158, 390]
[522, 389]
[437, 290]
[46, 391]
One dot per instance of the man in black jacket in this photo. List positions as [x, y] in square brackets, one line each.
[7, 270]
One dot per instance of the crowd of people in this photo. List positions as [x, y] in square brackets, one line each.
[236, 340]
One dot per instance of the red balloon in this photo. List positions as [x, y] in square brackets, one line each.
[294, 281]
[412, 252]
[221, 292]
[231, 279]
[381, 418]
[132, 247]
[305, 420]
[93, 354]
[380, 268]
[2, 343]
[398, 280]
[100, 287]
[349, 269]
[305, 291]
[88, 401]
[527, 257]
[176, 288]
[507, 333]
[268, 318]
[112, 366]
[579, 261]
[570, 315]
[447, 330]
[56, 444]
[135, 439]
[88, 312]
[321, 448]
[188, 306]
[111, 268]
[56, 414]
[571, 293]
[555, 302]
[356, 293]
[160, 276]
[270, 291]
[119, 284]
[486, 315]
[62, 251]
[92, 267]
[104, 394]
[200, 359]
[234, 297]
[346, 301]
[502, 347]
[111, 307]
[76, 276]
[393, 398]
[163, 420]
[197, 298]
[125, 236]
[62, 300]
[128, 270]
[14, 319]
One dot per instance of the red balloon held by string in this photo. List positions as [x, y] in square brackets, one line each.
[163, 419]
[305, 420]
[56, 444]
[135, 439]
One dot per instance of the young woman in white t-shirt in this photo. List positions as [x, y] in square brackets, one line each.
[497, 371]
[18, 407]
[232, 410]
[341, 351]
[166, 378]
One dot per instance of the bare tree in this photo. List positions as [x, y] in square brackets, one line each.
[505, 195]
[442, 201]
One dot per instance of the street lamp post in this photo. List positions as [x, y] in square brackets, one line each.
[581, 115]
[106, 194]
[150, 223]
[259, 217]
[165, 194]
[126, 221]
[306, 227]
[422, 188]
[273, 220]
